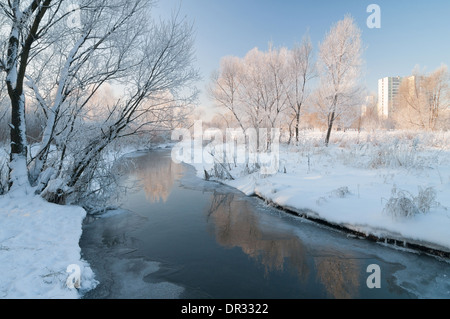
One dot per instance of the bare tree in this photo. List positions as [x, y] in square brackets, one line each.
[84, 58]
[254, 89]
[265, 82]
[25, 28]
[225, 88]
[301, 70]
[64, 66]
[277, 84]
[369, 114]
[340, 67]
[154, 90]
[423, 101]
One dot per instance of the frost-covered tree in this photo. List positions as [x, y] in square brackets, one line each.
[277, 85]
[23, 24]
[254, 88]
[369, 114]
[60, 66]
[301, 71]
[424, 101]
[340, 69]
[226, 87]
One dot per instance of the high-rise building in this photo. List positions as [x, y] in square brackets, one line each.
[387, 93]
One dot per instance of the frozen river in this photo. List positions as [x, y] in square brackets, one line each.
[183, 237]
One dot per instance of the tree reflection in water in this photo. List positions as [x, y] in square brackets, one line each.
[339, 275]
[155, 175]
[235, 224]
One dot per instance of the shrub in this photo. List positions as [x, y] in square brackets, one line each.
[403, 204]
[400, 207]
[341, 192]
[426, 199]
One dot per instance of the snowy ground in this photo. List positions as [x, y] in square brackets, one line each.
[361, 181]
[38, 241]
[39, 246]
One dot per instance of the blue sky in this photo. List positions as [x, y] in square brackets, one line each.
[412, 32]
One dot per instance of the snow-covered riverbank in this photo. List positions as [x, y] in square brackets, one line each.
[357, 183]
[38, 242]
[364, 183]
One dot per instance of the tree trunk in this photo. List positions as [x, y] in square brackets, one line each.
[330, 127]
[18, 144]
[16, 70]
[331, 120]
[18, 174]
[291, 134]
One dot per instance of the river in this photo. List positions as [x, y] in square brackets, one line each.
[179, 236]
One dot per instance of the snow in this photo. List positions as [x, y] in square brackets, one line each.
[12, 78]
[38, 241]
[19, 175]
[349, 183]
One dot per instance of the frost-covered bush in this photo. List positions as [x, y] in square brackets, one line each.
[426, 199]
[396, 153]
[397, 149]
[341, 192]
[403, 204]
[222, 171]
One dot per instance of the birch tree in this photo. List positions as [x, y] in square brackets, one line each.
[24, 23]
[340, 69]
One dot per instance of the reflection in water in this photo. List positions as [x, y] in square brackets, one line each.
[156, 175]
[235, 224]
[339, 275]
[275, 257]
